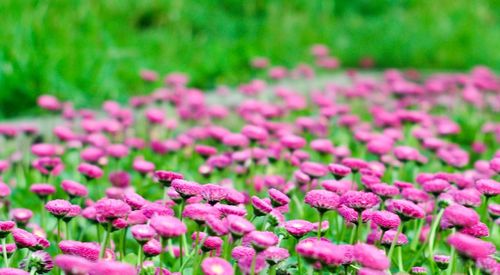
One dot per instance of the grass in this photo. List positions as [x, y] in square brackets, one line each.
[92, 50]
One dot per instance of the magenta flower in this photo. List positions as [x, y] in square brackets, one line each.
[142, 233]
[275, 255]
[239, 226]
[216, 266]
[471, 247]
[371, 257]
[442, 261]
[24, 239]
[240, 252]
[435, 186]
[405, 209]
[58, 208]
[488, 187]
[293, 142]
[359, 200]
[168, 226]
[459, 216]
[112, 268]
[42, 190]
[40, 261]
[261, 207]
[212, 193]
[389, 237]
[90, 171]
[166, 177]
[186, 189]
[277, 197]
[385, 220]
[110, 209]
[73, 265]
[199, 211]
[74, 189]
[12, 271]
[6, 228]
[339, 171]
[216, 225]
[21, 215]
[246, 263]
[298, 228]
[119, 179]
[322, 200]
[152, 248]
[314, 169]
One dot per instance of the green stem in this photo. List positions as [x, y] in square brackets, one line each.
[33, 271]
[123, 243]
[432, 237]
[451, 268]
[358, 228]
[139, 258]
[254, 259]
[5, 258]
[272, 270]
[58, 230]
[106, 241]
[400, 259]
[394, 241]
[319, 224]
[163, 254]
[67, 230]
[416, 237]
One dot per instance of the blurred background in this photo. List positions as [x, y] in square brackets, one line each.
[89, 50]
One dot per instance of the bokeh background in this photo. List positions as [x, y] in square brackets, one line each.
[89, 50]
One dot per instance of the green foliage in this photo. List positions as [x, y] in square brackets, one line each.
[91, 50]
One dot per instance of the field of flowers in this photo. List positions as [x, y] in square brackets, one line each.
[292, 172]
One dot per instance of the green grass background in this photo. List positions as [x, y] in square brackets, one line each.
[91, 50]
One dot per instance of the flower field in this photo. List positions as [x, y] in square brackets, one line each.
[295, 171]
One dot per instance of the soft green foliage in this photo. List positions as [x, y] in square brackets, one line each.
[91, 50]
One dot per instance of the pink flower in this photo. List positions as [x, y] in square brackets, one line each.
[298, 228]
[385, 220]
[90, 171]
[119, 179]
[87, 250]
[112, 268]
[166, 177]
[134, 200]
[42, 190]
[261, 207]
[213, 193]
[255, 133]
[239, 226]
[459, 216]
[278, 198]
[261, 240]
[339, 171]
[435, 186]
[240, 252]
[471, 247]
[293, 142]
[167, 226]
[406, 210]
[143, 167]
[110, 209]
[216, 266]
[199, 211]
[371, 257]
[73, 265]
[74, 189]
[384, 190]
[152, 248]
[245, 264]
[354, 164]
[49, 103]
[322, 200]
[142, 232]
[6, 228]
[275, 255]
[58, 208]
[442, 261]
[477, 230]
[21, 215]
[314, 169]
[495, 164]
[389, 236]
[4, 190]
[359, 200]
[488, 187]
[24, 239]
[217, 226]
